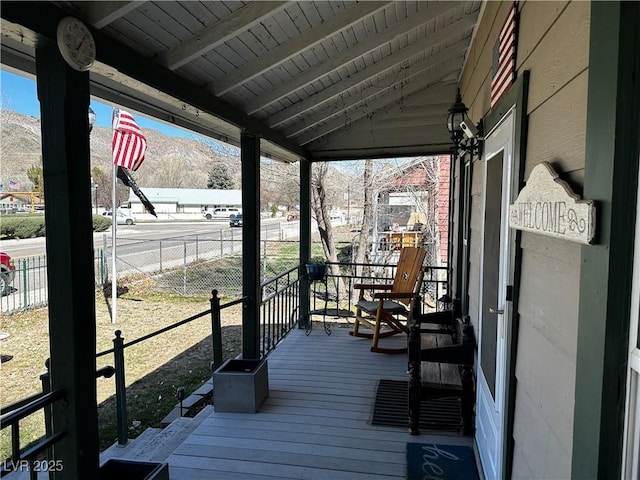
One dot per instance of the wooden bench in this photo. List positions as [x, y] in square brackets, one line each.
[440, 365]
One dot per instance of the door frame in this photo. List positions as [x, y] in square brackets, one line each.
[491, 402]
[516, 97]
[631, 438]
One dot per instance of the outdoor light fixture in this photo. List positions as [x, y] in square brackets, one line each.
[461, 127]
[92, 119]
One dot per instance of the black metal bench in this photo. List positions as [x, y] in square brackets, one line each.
[440, 365]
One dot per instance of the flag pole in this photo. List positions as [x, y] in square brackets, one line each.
[114, 225]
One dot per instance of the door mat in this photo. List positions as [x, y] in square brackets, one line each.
[437, 461]
[391, 409]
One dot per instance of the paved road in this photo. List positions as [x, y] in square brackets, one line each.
[31, 247]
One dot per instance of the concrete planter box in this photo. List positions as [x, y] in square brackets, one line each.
[240, 386]
[134, 470]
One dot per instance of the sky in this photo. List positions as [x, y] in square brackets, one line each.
[19, 94]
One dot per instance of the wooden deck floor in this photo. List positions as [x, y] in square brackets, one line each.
[316, 423]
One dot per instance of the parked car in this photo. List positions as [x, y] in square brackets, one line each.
[236, 220]
[7, 272]
[222, 212]
[123, 218]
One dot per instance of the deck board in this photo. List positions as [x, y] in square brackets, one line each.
[316, 423]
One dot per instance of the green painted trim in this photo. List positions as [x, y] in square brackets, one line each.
[506, 103]
[611, 172]
[520, 91]
[250, 155]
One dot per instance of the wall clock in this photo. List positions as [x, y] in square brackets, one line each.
[76, 44]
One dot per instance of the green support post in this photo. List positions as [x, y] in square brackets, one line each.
[611, 180]
[305, 241]
[64, 98]
[216, 330]
[121, 389]
[250, 154]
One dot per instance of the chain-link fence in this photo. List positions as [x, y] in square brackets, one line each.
[194, 265]
[197, 264]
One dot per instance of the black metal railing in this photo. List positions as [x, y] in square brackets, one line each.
[279, 314]
[279, 308]
[341, 277]
[12, 414]
[119, 347]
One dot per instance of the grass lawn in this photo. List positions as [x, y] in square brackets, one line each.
[154, 370]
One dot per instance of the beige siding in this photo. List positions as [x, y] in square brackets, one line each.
[557, 57]
[557, 129]
[547, 341]
[553, 45]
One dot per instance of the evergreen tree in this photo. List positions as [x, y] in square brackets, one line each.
[219, 178]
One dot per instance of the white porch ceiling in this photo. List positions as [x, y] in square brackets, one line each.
[316, 79]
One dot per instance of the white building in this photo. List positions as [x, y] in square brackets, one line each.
[185, 200]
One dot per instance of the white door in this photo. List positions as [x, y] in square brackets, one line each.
[495, 308]
[631, 459]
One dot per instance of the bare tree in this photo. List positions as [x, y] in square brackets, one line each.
[102, 184]
[169, 174]
[419, 182]
[280, 184]
[367, 214]
[322, 201]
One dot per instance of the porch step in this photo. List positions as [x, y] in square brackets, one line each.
[177, 433]
[154, 444]
[132, 449]
[195, 398]
[157, 444]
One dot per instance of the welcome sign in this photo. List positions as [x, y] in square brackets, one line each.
[548, 206]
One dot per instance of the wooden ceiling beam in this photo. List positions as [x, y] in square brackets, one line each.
[402, 86]
[426, 101]
[420, 146]
[295, 46]
[366, 74]
[379, 103]
[406, 122]
[332, 64]
[101, 14]
[214, 35]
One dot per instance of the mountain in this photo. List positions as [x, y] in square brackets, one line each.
[176, 162]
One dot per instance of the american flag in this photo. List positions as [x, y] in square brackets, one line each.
[128, 144]
[503, 70]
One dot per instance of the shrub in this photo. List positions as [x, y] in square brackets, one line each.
[22, 226]
[30, 226]
[101, 223]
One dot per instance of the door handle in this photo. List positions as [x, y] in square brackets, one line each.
[501, 324]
